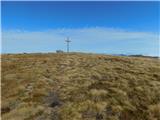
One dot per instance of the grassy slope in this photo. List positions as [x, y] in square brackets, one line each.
[80, 87]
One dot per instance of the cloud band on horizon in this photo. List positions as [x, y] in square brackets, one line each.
[95, 39]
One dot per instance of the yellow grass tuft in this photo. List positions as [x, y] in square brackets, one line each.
[79, 86]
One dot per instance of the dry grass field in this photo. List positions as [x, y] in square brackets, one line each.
[79, 86]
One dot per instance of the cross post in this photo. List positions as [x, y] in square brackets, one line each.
[68, 41]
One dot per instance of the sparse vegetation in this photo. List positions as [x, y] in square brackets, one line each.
[80, 86]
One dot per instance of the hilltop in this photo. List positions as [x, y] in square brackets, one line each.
[79, 86]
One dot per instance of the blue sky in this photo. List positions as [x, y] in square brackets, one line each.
[100, 27]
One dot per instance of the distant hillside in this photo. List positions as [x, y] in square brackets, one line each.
[80, 86]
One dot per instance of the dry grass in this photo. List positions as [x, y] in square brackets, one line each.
[80, 86]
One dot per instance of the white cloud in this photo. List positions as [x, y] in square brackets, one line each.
[97, 39]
